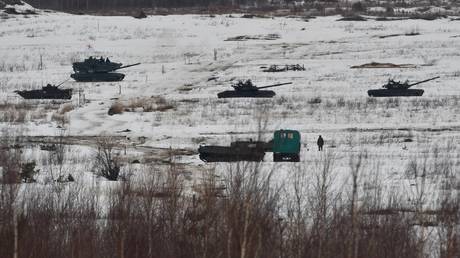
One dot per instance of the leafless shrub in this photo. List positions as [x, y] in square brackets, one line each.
[38, 114]
[427, 61]
[105, 160]
[316, 100]
[13, 115]
[116, 108]
[152, 104]
[10, 160]
[5, 67]
[60, 119]
[28, 172]
[65, 108]
[56, 159]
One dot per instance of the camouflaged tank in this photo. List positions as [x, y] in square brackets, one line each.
[398, 89]
[246, 89]
[98, 70]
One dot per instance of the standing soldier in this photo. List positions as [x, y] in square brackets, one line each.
[320, 143]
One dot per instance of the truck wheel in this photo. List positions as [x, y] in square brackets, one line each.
[296, 158]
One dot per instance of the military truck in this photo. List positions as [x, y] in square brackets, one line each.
[285, 146]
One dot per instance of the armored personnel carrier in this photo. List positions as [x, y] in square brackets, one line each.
[98, 70]
[246, 89]
[47, 92]
[398, 89]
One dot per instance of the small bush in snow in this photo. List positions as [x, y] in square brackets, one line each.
[66, 108]
[28, 172]
[116, 108]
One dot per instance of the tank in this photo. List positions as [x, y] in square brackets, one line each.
[98, 70]
[237, 151]
[246, 89]
[398, 89]
[47, 92]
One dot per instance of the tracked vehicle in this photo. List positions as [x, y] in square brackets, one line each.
[47, 92]
[246, 89]
[237, 151]
[398, 89]
[98, 70]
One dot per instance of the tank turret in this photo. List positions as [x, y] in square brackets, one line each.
[246, 89]
[98, 69]
[398, 89]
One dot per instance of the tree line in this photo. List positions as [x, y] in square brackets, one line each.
[114, 4]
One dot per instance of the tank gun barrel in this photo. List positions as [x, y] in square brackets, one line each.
[126, 66]
[62, 82]
[415, 83]
[274, 85]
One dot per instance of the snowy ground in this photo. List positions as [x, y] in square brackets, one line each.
[328, 98]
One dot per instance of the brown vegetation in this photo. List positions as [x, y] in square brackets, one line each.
[151, 104]
[238, 212]
[384, 65]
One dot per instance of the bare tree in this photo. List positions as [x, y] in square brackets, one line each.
[356, 167]
[323, 199]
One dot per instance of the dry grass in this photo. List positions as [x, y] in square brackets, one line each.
[66, 108]
[25, 111]
[116, 108]
[152, 104]
[61, 119]
[13, 115]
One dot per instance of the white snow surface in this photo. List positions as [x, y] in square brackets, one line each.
[328, 98]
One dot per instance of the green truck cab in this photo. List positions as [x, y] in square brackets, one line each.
[286, 145]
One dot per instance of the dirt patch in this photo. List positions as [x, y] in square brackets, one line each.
[353, 18]
[391, 18]
[399, 35]
[254, 37]
[383, 65]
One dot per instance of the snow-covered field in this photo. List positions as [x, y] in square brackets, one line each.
[177, 55]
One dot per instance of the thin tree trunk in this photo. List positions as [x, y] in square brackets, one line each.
[16, 235]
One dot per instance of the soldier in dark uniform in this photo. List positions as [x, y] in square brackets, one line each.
[320, 143]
